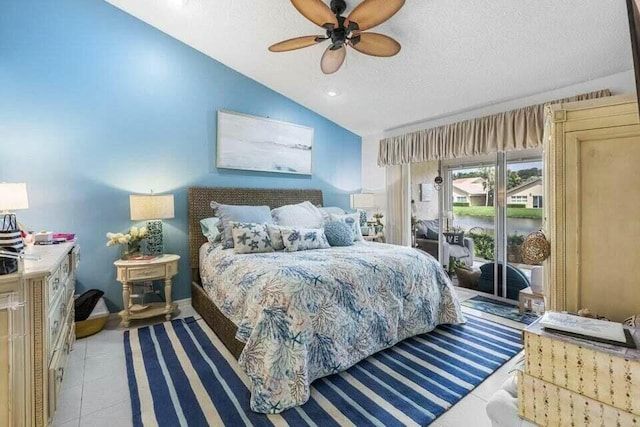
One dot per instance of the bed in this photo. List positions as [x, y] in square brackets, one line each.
[293, 317]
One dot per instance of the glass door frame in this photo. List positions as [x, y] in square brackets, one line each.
[500, 162]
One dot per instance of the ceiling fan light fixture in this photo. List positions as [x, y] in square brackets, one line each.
[345, 31]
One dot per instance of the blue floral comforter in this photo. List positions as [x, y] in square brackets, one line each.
[305, 315]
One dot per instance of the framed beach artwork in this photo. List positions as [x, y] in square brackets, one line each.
[260, 144]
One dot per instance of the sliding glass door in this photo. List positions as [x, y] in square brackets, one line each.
[495, 202]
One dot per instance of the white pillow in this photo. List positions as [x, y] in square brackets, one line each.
[302, 239]
[328, 210]
[353, 221]
[304, 215]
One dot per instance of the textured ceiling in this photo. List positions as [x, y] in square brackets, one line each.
[456, 54]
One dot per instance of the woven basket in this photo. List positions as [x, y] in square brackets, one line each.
[535, 248]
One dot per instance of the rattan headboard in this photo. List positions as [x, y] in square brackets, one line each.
[199, 208]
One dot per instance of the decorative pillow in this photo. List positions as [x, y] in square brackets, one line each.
[328, 210]
[429, 228]
[304, 215]
[275, 234]
[238, 213]
[209, 227]
[338, 233]
[302, 239]
[250, 238]
[454, 238]
[353, 221]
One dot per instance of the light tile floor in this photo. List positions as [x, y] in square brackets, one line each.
[95, 390]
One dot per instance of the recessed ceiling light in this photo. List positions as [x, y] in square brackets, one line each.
[332, 93]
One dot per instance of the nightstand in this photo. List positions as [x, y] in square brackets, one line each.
[379, 237]
[164, 268]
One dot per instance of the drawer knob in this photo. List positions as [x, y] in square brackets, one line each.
[56, 325]
[60, 374]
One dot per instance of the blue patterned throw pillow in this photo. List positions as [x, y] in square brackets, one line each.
[250, 238]
[302, 239]
[353, 221]
[338, 233]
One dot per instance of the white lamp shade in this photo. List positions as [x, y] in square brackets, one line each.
[13, 196]
[144, 207]
[363, 200]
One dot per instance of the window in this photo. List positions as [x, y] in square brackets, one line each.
[461, 199]
[519, 199]
[537, 201]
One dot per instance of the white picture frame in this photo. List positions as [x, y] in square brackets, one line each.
[260, 144]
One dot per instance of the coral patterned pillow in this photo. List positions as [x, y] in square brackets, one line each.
[302, 239]
[250, 238]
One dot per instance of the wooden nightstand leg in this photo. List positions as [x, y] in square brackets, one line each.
[126, 302]
[169, 301]
[521, 310]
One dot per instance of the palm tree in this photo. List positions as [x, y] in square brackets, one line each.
[488, 183]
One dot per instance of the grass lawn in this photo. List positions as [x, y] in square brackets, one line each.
[490, 212]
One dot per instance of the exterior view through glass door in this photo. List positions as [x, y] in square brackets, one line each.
[495, 204]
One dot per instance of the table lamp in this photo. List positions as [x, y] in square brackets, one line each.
[363, 201]
[13, 196]
[152, 208]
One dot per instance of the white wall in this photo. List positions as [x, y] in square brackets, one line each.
[373, 176]
[424, 172]
[374, 179]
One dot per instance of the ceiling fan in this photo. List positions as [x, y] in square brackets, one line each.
[345, 31]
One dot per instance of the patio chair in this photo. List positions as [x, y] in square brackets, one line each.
[427, 240]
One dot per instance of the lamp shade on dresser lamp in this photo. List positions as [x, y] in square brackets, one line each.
[152, 208]
[363, 201]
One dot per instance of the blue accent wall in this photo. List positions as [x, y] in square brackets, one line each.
[96, 105]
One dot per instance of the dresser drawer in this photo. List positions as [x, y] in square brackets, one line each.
[146, 272]
[57, 322]
[65, 268]
[75, 258]
[70, 286]
[54, 285]
[57, 372]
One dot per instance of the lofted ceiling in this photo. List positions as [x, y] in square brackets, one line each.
[456, 54]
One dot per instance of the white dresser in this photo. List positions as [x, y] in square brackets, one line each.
[41, 330]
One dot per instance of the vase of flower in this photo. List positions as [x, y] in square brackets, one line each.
[130, 241]
[131, 250]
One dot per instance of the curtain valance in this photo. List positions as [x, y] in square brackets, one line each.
[512, 130]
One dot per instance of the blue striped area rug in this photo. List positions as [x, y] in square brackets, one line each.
[180, 374]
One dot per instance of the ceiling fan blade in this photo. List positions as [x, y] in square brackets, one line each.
[332, 59]
[316, 11]
[370, 13]
[375, 44]
[296, 43]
